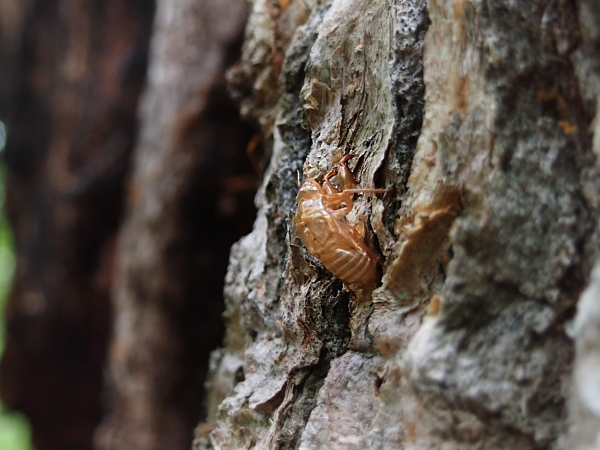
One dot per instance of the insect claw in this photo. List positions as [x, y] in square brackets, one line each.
[332, 173]
[347, 158]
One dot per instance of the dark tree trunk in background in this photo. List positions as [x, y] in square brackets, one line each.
[481, 120]
[71, 76]
[190, 197]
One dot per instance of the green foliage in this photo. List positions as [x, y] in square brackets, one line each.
[15, 433]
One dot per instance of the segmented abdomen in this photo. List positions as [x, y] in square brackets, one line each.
[335, 242]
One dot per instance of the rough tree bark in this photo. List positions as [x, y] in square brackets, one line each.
[479, 118]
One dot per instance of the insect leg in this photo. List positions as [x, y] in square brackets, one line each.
[345, 176]
[366, 191]
[340, 203]
[328, 187]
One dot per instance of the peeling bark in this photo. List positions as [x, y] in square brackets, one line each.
[476, 115]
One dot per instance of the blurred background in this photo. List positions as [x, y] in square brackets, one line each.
[126, 176]
[14, 427]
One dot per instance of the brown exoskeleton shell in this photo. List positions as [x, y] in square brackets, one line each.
[322, 227]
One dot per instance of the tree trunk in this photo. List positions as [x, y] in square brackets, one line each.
[71, 73]
[476, 117]
[190, 197]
